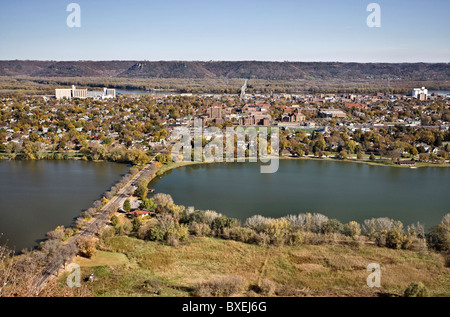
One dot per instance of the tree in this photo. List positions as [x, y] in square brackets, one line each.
[440, 235]
[114, 221]
[332, 226]
[352, 229]
[222, 222]
[86, 246]
[141, 191]
[137, 223]
[396, 239]
[163, 200]
[127, 205]
[148, 203]
[343, 155]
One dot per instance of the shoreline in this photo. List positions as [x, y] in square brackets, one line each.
[377, 162]
[169, 166]
[362, 161]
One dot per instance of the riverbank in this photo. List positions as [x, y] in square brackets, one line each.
[363, 161]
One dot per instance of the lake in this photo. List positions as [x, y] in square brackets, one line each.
[38, 196]
[342, 190]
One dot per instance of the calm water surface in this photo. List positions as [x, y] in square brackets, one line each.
[345, 191]
[37, 196]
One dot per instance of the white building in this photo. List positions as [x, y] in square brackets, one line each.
[419, 93]
[84, 93]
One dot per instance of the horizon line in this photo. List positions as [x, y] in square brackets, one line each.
[213, 61]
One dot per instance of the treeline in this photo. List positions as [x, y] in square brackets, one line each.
[228, 69]
[22, 86]
[94, 151]
[393, 143]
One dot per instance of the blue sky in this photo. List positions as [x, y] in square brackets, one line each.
[320, 30]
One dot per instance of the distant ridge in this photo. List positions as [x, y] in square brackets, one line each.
[229, 69]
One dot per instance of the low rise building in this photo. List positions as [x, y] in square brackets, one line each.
[332, 113]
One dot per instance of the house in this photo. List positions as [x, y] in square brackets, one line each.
[406, 162]
[138, 213]
[355, 105]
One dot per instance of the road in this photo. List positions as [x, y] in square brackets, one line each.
[69, 249]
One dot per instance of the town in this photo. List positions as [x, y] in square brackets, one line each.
[100, 125]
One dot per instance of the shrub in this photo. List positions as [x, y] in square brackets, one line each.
[148, 203]
[377, 228]
[57, 234]
[107, 232]
[86, 246]
[176, 210]
[144, 231]
[79, 222]
[163, 200]
[257, 223]
[141, 191]
[294, 238]
[332, 226]
[315, 222]
[114, 221]
[267, 287]
[223, 286]
[416, 290]
[277, 230]
[127, 205]
[297, 222]
[189, 216]
[210, 216]
[439, 237]
[125, 228]
[222, 222]
[155, 233]
[242, 234]
[199, 216]
[172, 240]
[352, 229]
[262, 239]
[178, 231]
[89, 212]
[395, 238]
[343, 155]
[136, 223]
[199, 229]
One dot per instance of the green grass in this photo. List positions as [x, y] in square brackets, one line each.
[154, 269]
[103, 258]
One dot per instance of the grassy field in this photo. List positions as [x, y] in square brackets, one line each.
[131, 267]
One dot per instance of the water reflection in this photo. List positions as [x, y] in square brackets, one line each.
[37, 196]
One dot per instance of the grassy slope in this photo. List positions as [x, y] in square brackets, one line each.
[320, 270]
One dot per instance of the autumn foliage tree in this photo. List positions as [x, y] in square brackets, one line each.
[86, 246]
